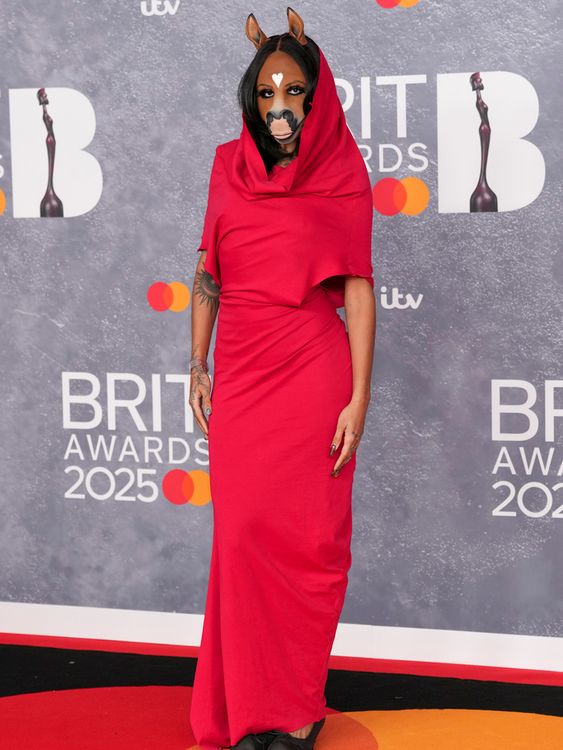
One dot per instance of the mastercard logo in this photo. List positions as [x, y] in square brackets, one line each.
[408, 196]
[395, 3]
[182, 487]
[174, 296]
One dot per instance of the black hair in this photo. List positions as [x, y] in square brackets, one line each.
[307, 57]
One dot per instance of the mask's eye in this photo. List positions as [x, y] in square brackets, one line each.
[292, 90]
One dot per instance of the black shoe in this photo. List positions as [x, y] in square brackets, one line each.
[260, 741]
[286, 741]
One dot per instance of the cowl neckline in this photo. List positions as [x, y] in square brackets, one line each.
[322, 165]
[277, 169]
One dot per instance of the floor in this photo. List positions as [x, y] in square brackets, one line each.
[73, 699]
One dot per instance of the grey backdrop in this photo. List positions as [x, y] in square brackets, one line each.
[427, 550]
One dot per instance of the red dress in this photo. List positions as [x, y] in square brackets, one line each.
[279, 245]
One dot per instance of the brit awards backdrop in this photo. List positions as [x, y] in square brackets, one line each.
[110, 113]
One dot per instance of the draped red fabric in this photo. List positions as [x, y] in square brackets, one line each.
[279, 245]
[324, 195]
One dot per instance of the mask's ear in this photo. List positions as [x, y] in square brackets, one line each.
[254, 32]
[296, 26]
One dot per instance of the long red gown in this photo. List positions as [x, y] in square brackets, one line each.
[279, 245]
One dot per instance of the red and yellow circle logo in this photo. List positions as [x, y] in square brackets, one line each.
[408, 196]
[173, 296]
[181, 487]
[395, 3]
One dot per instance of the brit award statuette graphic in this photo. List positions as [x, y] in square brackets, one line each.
[483, 199]
[51, 204]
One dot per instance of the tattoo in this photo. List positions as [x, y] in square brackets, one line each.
[199, 385]
[207, 289]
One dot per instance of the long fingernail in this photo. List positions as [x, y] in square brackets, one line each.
[332, 449]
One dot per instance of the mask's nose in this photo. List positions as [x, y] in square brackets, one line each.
[281, 123]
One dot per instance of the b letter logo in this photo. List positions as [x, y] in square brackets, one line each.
[65, 128]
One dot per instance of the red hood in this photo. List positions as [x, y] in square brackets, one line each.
[329, 162]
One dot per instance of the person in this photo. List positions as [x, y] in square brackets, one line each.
[286, 241]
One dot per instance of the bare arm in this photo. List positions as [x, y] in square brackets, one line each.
[359, 303]
[205, 305]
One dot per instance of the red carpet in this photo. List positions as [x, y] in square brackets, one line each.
[128, 718]
[156, 718]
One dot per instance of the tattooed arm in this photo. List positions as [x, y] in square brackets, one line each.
[205, 304]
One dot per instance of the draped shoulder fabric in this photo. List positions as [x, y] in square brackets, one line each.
[324, 195]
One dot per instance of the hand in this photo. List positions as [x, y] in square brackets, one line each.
[350, 426]
[200, 400]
